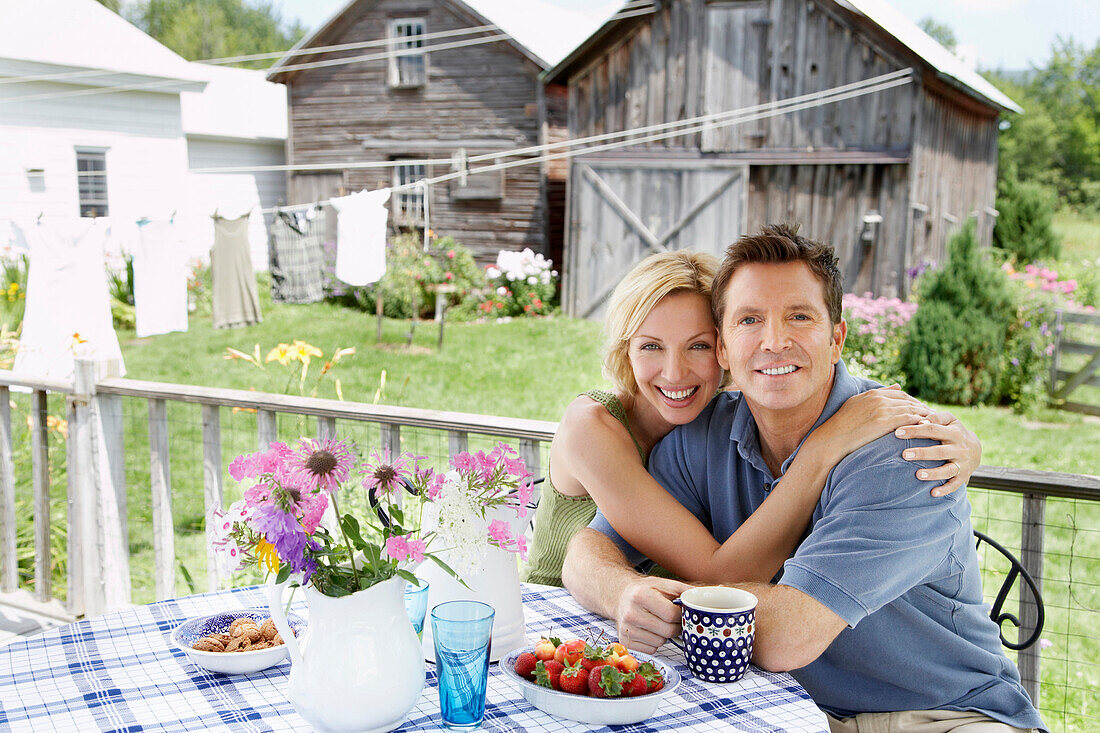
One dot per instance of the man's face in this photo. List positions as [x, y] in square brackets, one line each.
[777, 339]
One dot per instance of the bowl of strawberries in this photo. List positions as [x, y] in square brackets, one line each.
[591, 683]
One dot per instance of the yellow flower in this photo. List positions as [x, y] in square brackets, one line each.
[301, 351]
[280, 353]
[267, 555]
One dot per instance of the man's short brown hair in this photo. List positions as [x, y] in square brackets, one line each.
[777, 243]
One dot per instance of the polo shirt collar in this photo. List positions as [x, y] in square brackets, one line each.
[744, 431]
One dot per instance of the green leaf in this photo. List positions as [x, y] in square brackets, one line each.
[407, 576]
[284, 573]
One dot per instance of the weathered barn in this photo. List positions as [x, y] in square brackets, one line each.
[884, 177]
[457, 98]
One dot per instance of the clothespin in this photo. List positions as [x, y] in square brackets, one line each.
[39, 219]
[341, 191]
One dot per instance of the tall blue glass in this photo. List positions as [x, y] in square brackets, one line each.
[416, 604]
[462, 632]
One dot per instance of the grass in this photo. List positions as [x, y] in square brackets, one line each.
[1080, 234]
[533, 368]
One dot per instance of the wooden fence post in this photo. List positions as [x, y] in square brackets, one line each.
[9, 580]
[40, 460]
[1031, 557]
[212, 481]
[101, 461]
[160, 482]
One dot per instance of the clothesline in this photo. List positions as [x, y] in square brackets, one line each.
[630, 10]
[661, 131]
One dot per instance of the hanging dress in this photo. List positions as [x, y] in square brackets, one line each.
[160, 280]
[296, 256]
[236, 302]
[361, 236]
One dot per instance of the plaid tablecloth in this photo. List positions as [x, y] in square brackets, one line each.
[119, 672]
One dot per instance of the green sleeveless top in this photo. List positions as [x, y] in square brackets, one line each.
[559, 517]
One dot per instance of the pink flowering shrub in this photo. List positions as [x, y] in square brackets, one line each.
[1040, 295]
[877, 327]
[279, 525]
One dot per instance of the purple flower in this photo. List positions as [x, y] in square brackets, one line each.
[284, 532]
[387, 475]
[322, 464]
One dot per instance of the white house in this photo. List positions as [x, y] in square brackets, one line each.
[99, 119]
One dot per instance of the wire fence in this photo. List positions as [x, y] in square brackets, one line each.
[1069, 697]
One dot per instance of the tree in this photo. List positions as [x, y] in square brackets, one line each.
[939, 31]
[112, 5]
[204, 29]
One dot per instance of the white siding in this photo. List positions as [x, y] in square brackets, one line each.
[233, 193]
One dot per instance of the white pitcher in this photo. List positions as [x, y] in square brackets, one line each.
[495, 583]
[358, 665]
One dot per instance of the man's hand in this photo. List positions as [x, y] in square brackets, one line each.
[646, 616]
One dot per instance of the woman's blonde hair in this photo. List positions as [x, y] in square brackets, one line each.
[681, 271]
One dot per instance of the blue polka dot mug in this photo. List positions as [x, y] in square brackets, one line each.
[718, 628]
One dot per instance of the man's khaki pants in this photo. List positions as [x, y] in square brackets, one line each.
[921, 721]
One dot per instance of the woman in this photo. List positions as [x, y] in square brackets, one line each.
[661, 357]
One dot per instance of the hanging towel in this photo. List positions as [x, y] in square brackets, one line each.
[296, 257]
[236, 302]
[361, 236]
[68, 309]
[160, 279]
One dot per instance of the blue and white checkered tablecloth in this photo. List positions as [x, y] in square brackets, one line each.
[120, 672]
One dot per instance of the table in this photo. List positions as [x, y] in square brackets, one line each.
[119, 672]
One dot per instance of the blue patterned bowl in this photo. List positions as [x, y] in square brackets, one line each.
[190, 631]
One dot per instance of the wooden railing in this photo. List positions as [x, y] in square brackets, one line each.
[1085, 375]
[98, 570]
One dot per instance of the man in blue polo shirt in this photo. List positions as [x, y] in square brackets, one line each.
[879, 612]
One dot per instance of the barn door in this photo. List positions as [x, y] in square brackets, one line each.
[622, 211]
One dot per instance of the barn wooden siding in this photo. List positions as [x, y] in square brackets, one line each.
[825, 168]
[481, 98]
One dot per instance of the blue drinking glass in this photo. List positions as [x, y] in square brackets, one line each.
[462, 632]
[416, 604]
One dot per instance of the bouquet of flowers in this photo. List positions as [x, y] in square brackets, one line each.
[280, 524]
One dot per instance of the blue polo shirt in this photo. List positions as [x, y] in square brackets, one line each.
[897, 564]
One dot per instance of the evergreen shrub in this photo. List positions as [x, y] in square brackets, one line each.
[957, 336]
[1025, 224]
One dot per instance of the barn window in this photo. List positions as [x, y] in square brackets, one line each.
[408, 206]
[408, 63]
[91, 181]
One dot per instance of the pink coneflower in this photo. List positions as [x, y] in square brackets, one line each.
[322, 465]
[387, 475]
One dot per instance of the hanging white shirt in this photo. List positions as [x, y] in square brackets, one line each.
[361, 236]
[160, 280]
[68, 309]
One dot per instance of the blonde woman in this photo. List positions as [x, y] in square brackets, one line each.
[660, 355]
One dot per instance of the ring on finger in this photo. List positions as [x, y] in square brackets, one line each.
[958, 468]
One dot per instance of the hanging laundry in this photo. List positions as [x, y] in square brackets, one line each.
[160, 279]
[361, 236]
[236, 302]
[296, 256]
[68, 309]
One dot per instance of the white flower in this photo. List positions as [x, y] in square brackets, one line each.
[545, 277]
[459, 524]
[502, 291]
[532, 280]
[492, 273]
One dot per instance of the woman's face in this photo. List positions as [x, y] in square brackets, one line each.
[673, 357]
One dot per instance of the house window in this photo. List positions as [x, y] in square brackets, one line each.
[91, 181]
[408, 65]
[409, 204]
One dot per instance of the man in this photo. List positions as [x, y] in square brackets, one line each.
[878, 614]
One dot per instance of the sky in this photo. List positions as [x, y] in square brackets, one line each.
[1005, 34]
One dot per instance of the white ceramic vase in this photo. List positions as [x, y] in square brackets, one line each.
[496, 582]
[358, 665]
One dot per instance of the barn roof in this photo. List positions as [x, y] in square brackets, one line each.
[878, 12]
[236, 103]
[542, 32]
[60, 36]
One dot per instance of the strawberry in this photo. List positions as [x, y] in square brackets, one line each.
[593, 657]
[525, 665]
[605, 681]
[627, 663]
[544, 649]
[570, 651]
[635, 685]
[652, 676]
[548, 674]
[574, 679]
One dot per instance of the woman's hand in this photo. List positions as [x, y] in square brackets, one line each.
[865, 417]
[958, 447]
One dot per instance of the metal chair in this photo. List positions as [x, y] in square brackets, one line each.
[1016, 571]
